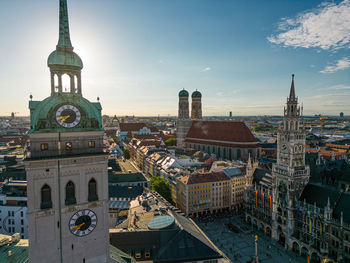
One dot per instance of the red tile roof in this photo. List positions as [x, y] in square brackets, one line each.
[131, 126]
[221, 132]
[111, 132]
[196, 178]
[144, 136]
[153, 129]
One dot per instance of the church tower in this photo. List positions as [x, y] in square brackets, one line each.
[66, 166]
[289, 174]
[196, 111]
[183, 121]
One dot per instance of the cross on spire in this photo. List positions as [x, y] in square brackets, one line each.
[64, 37]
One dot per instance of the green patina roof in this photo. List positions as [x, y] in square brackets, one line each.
[119, 256]
[42, 117]
[183, 93]
[19, 252]
[196, 94]
[67, 58]
[123, 178]
[64, 55]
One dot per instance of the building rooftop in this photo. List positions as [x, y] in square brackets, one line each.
[179, 240]
[13, 252]
[224, 132]
[196, 178]
[125, 177]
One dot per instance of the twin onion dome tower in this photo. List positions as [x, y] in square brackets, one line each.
[66, 167]
[184, 123]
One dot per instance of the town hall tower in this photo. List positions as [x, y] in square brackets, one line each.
[290, 174]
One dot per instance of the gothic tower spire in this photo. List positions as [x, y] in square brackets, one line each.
[292, 90]
[64, 37]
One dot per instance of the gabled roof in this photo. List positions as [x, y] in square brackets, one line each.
[261, 175]
[319, 194]
[127, 177]
[117, 191]
[196, 178]
[119, 256]
[131, 126]
[224, 132]
[185, 248]
[343, 206]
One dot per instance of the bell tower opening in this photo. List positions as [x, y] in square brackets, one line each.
[66, 83]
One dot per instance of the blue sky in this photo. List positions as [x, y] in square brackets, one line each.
[138, 54]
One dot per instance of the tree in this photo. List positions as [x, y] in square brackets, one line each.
[256, 128]
[161, 186]
[126, 153]
[170, 142]
[116, 140]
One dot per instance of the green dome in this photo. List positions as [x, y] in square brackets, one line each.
[183, 93]
[43, 113]
[59, 57]
[196, 94]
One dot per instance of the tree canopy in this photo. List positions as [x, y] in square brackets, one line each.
[170, 142]
[126, 153]
[161, 186]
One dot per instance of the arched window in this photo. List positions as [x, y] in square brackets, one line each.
[66, 83]
[70, 193]
[92, 190]
[55, 83]
[46, 201]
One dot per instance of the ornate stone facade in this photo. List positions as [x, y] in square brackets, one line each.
[307, 216]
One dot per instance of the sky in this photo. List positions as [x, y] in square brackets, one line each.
[139, 54]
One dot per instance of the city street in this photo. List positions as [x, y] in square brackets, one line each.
[240, 247]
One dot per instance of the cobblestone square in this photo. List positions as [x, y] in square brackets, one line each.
[240, 247]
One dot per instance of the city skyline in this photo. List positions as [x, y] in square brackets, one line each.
[137, 63]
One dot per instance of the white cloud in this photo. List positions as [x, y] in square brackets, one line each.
[326, 27]
[336, 87]
[341, 64]
[332, 103]
[322, 96]
[206, 69]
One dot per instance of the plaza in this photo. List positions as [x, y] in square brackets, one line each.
[240, 247]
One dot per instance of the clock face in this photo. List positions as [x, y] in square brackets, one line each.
[284, 147]
[68, 116]
[83, 222]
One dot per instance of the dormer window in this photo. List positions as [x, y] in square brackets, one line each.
[44, 146]
[91, 144]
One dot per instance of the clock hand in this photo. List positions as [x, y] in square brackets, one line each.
[77, 227]
[64, 118]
